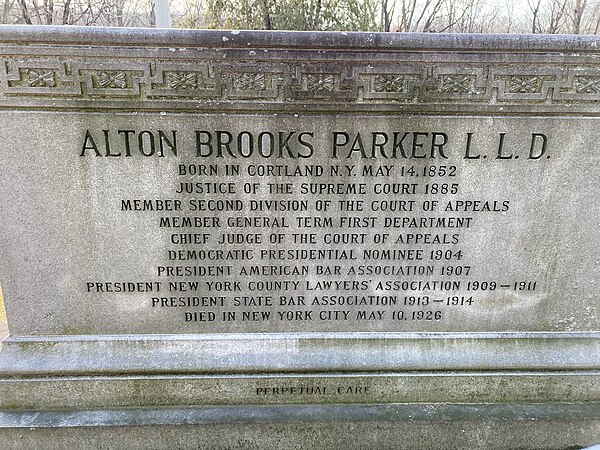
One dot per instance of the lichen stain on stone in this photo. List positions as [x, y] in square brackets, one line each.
[76, 330]
[36, 346]
[2, 310]
[587, 321]
[502, 301]
[8, 406]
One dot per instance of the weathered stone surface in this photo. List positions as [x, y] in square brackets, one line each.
[355, 427]
[246, 218]
[300, 389]
[521, 233]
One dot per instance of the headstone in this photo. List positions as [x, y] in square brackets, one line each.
[299, 240]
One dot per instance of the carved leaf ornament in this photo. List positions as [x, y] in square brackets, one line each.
[113, 80]
[40, 78]
[183, 80]
[320, 82]
[389, 83]
[250, 82]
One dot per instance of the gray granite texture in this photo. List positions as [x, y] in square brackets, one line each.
[238, 239]
[383, 427]
[87, 256]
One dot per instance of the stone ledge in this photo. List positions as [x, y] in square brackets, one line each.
[355, 41]
[275, 414]
[297, 353]
[183, 391]
[431, 426]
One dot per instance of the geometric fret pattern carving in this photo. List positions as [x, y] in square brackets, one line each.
[285, 81]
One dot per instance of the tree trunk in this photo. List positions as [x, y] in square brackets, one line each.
[36, 8]
[577, 15]
[534, 22]
[67, 13]
[49, 11]
[267, 25]
[25, 12]
[385, 16]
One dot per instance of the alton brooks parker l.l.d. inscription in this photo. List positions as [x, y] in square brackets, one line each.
[247, 239]
[398, 196]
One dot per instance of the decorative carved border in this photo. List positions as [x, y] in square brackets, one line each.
[288, 77]
[80, 79]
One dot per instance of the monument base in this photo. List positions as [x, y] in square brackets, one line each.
[506, 391]
[397, 426]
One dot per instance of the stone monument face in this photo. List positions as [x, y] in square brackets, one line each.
[193, 203]
[299, 222]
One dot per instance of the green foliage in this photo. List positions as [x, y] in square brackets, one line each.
[304, 15]
[235, 14]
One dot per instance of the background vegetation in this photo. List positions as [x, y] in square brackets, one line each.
[464, 16]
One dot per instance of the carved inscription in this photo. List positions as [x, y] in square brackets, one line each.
[346, 228]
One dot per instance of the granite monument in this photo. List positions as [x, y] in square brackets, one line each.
[232, 239]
